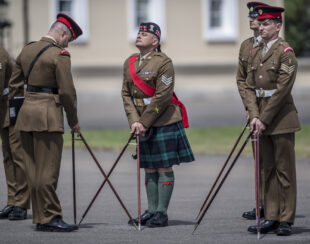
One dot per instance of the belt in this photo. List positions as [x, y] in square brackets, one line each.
[42, 89]
[140, 102]
[264, 93]
[5, 91]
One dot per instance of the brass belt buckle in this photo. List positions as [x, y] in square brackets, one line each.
[139, 102]
[261, 93]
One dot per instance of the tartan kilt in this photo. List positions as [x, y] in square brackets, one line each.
[167, 146]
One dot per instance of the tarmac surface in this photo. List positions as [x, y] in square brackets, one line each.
[106, 222]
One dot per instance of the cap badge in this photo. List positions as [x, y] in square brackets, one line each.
[260, 11]
[251, 9]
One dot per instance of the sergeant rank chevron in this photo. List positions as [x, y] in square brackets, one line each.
[166, 81]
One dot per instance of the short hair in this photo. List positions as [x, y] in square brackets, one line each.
[58, 27]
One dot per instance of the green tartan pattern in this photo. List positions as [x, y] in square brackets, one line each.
[167, 146]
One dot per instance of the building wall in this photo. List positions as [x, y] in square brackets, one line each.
[109, 44]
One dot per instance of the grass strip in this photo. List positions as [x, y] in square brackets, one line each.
[208, 140]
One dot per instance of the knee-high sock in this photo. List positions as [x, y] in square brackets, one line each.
[165, 188]
[151, 186]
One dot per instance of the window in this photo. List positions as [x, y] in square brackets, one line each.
[77, 9]
[220, 20]
[145, 11]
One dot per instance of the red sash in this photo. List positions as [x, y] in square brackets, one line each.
[150, 91]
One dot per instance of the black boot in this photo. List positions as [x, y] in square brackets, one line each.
[285, 229]
[144, 217]
[266, 226]
[57, 225]
[4, 213]
[158, 220]
[252, 214]
[18, 213]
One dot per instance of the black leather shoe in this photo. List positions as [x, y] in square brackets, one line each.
[18, 213]
[4, 213]
[252, 214]
[57, 225]
[158, 220]
[285, 229]
[144, 217]
[266, 226]
[38, 227]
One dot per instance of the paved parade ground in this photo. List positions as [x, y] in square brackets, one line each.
[107, 222]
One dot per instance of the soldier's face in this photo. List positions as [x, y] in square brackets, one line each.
[146, 40]
[254, 25]
[269, 30]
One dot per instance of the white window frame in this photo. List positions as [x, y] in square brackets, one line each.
[156, 11]
[80, 14]
[229, 30]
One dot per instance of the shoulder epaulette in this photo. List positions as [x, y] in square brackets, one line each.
[288, 49]
[64, 52]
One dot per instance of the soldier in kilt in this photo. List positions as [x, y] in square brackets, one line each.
[152, 108]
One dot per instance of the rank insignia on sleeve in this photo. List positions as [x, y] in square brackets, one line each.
[288, 69]
[156, 109]
[166, 81]
[64, 52]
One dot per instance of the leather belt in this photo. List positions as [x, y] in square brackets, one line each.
[264, 93]
[41, 89]
[140, 102]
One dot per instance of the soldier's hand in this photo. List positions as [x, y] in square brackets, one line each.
[252, 124]
[259, 127]
[138, 128]
[76, 128]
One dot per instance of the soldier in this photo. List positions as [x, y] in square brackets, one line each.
[150, 104]
[50, 89]
[271, 75]
[14, 166]
[244, 53]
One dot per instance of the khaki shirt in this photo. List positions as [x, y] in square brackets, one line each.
[157, 71]
[5, 74]
[41, 111]
[276, 70]
[244, 54]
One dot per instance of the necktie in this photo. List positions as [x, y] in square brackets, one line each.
[255, 44]
[140, 61]
[264, 50]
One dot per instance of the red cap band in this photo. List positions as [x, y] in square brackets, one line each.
[270, 16]
[67, 23]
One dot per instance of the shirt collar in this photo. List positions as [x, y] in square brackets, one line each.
[144, 56]
[50, 37]
[269, 44]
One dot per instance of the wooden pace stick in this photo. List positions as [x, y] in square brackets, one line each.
[138, 182]
[257, 182]
[222, 182]
[105, 180]
[105, 176]
[73, 178]
[223, 168]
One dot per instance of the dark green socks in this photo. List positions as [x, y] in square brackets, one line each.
[159, 187]
[151, 182]
[165, 188]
